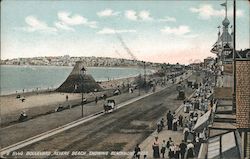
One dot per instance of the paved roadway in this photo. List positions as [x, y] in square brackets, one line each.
[120, 130]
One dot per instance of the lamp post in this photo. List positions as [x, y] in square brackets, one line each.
[234, 57]
[82, 72]
[139, 84]
[82, 98]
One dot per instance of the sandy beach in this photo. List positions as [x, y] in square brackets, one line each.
[44, 102]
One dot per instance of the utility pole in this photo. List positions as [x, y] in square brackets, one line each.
[234, 57]
[82, 99]
[144, 67]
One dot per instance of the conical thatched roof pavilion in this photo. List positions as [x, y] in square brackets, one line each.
[78, 81]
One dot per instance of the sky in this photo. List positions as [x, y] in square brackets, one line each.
[168, 31]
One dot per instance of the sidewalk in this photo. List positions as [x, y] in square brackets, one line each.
[165, 134]
[178, 136]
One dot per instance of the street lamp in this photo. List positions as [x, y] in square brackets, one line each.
[139, 84]
[144, 67]
[82, 72]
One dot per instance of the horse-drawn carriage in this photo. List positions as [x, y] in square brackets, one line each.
[23, 117]
[181, 95]
[109, 105]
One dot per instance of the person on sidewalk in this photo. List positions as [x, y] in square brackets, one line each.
[185, 121]
[163, 148]
[185, 132]
[171, 150]
[169, 120]
[175, 121]
[158, 126]
[180, 120]
[176, 151]
[170, 141]
[162, 123]
[155, 146]
[137, 151]
[190, 150]
[183, 147]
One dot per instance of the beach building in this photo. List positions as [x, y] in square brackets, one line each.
[78, 81]
[228, 127]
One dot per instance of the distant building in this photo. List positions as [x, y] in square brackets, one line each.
[223, 46]
[208, 62]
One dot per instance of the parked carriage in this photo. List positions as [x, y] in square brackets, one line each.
[109, 105]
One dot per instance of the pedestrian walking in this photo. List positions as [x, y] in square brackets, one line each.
[170, 141]
[158, 126]
[163, 148]
[67, 97]
[155, 146]
[162, 122]
[191, 136]
[190, 150]
[175, 121]
[137, 151]
[96, 100]
[171, 151]
[176, 151]
[183, 147]
[180, 120]
[185, 121]
[185, 132]
[168, 119]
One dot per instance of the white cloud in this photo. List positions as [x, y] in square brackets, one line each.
[140, 16]
[145, 15]
[63, 26]
[71, 20]
[113, 31]
[107, 13]
[131, 15]
[207, 11]
[37, 25]
[181, 30]
[167, 19]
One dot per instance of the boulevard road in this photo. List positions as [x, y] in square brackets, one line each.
[120, 130]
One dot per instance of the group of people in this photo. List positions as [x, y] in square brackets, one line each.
[173, 121]
[172, 150]
[196, 106]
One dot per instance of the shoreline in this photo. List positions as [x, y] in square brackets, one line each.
[33, 91]
[44, 91]
[151, 68]
[46, 102]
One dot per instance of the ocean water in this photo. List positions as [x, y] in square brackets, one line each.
[16, 78]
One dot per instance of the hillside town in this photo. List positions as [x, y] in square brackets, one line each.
[67, 60]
